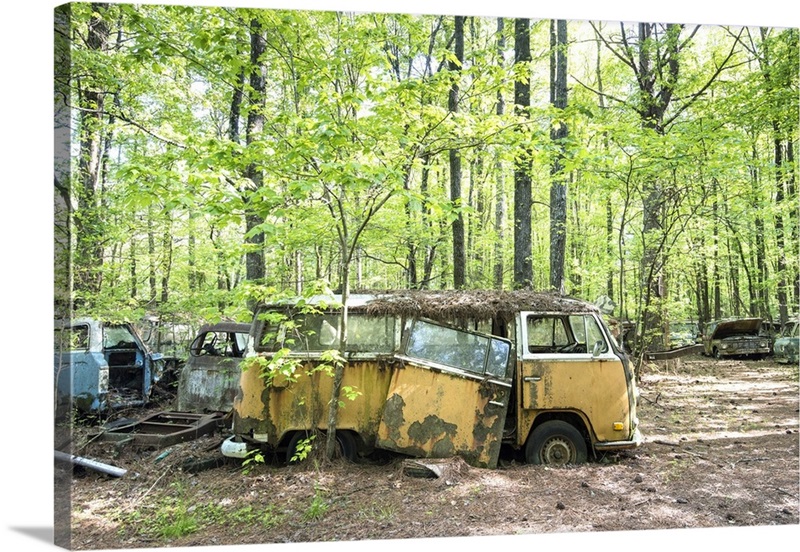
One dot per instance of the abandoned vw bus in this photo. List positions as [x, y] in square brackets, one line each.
[434, 374]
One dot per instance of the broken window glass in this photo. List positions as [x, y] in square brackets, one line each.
[456, 348]
[320, 332]
[118, 337]
[71, 339]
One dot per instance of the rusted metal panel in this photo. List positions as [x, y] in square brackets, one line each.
[594, 389]
[208, 384]
[742, 326]
[268, 412]
[164, 428]
[209, 380]
[675, 353]
[436, 414]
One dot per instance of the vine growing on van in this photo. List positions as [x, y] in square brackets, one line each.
[285, 338]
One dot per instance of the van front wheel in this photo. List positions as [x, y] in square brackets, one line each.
[555, 443]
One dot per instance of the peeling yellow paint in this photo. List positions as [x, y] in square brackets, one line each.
[596, 390]
[464, 423]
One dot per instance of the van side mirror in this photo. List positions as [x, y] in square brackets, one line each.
[598, 348]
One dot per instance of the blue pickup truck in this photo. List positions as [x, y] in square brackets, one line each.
[101, 366]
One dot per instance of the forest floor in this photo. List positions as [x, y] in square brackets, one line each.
[720, 450]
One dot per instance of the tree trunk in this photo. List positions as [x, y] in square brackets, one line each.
[459, 253]
[657, 64]
[794, 231]
[523, 263]
[166, 267]
[558, 134]
[338, 371]
[781, 268]
[601, 102]
[500, 193]
[88, 224]
[254, 259]
[430, 249]
[151, 256]
[716, 272]
[134, 283]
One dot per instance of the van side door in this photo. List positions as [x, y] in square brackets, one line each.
[449, 395]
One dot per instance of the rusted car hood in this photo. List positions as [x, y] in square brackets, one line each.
[743, 326]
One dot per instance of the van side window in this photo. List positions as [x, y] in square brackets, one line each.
[594, 335]
[564, 334]
[315, 332]
[546, 334]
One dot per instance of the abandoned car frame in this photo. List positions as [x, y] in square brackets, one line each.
[209, 379]
[736, 338]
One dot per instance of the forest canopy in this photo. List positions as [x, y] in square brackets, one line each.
[211, 157]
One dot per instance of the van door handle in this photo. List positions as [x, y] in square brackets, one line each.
[528, 379]
[497, 403]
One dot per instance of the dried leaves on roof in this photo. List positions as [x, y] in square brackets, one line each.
[474, 304]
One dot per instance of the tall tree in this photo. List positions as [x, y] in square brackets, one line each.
[654, 57]
[499, 191]
[523, 202]
[459, 253]
[91, 129]
[254, 174]
[558, 135]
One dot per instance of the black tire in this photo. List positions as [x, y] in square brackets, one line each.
[556, 443]
[345, 445]
[717, 354]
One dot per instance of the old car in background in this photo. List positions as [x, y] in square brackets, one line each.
[787, 346]
[739, 337]
[683, 333]
[209, 379]
[172, 340]
[100, 365]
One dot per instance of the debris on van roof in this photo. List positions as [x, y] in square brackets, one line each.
[475, 304]
[448, 305]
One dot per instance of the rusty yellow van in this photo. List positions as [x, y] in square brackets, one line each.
[434, 374]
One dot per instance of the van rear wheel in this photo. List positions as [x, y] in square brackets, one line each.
[298, 450]
[555, 443]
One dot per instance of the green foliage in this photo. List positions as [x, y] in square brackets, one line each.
[254, 457]
[354, 159]
[178, 515]
[303, 448]
[318, 506]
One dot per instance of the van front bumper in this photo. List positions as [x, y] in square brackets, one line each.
[635, 441]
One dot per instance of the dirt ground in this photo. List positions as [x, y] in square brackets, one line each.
[720, 450]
